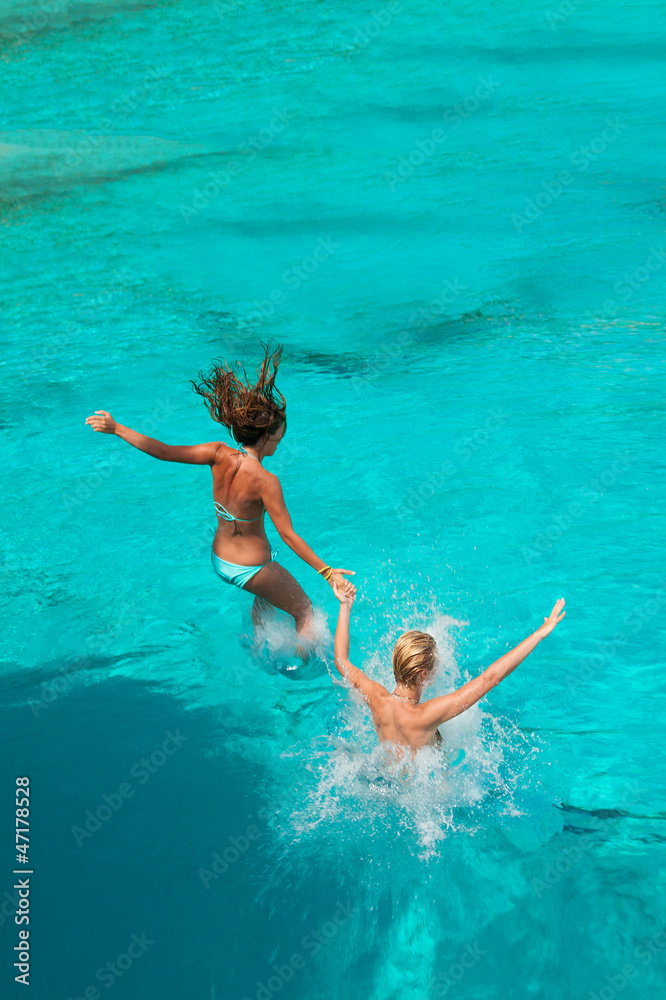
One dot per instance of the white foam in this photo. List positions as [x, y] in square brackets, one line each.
[481, 766]
[277, 638]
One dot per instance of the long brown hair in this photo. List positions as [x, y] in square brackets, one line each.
[248, 411]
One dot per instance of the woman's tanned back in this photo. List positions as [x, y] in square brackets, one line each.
[237, 481]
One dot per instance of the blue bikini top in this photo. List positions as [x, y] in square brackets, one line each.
[224, 513]
[226, 516]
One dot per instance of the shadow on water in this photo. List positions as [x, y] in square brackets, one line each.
[57, 675]
[124, 829]
[153, 818]
[24, 25]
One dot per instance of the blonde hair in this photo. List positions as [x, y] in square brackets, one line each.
[413, 652]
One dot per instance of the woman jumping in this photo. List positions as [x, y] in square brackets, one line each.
[399, 716]
[243, 491]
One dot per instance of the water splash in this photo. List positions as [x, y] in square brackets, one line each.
[274, 645]
[346, 789]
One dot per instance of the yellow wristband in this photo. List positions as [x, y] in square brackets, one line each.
[329, 573]
[322, 570]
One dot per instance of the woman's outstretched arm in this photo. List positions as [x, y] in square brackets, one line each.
[276, 509]
[346, 595]
[439, 710]
[196, 454]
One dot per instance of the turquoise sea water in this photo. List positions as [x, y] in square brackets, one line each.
[453, 216]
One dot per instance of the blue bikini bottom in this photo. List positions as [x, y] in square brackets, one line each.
[233, 573]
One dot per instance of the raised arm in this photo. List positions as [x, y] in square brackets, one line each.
[196, 454]
[346, 595]
[276, 508]
[439, 710]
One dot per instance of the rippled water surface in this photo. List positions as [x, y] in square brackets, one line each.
[453, 217]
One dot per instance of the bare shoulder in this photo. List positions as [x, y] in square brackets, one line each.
[222, 452]
[269, 480]
[372, 691]
[375, 693]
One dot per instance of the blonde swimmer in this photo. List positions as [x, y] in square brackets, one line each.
[399, 716]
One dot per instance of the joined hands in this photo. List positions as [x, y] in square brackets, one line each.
[346, 593]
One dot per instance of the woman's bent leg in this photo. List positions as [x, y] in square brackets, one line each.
[276, 585]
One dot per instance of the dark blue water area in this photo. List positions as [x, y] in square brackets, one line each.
[129, 842]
